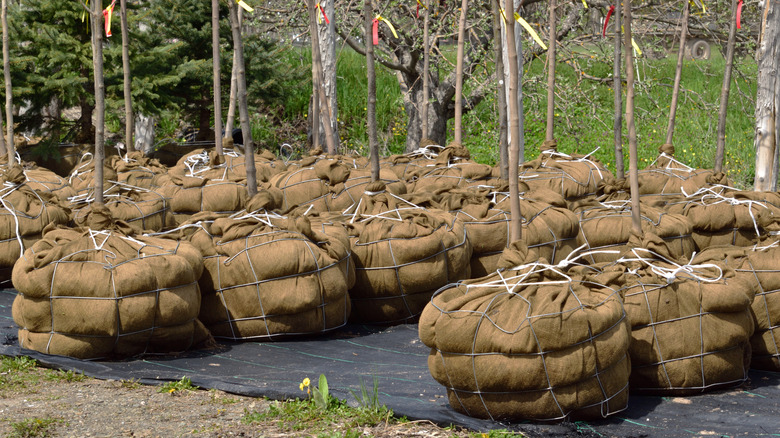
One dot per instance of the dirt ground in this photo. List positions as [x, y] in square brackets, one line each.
[98, 408]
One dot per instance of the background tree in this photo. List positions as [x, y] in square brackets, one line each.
[9, 104]
[768, 99]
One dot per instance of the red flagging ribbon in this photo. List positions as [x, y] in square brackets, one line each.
[323, 13]
[375, 31]
[739, 14]
[418, 10]
[606, 21]
[107, 12]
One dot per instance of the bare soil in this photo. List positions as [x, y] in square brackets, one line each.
[98, 408]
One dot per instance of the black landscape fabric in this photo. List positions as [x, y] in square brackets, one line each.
[398, 359]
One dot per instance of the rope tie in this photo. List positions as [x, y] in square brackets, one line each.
[8, 188]
[426, 151]
[77, 171]
[693, 271]
[711, 197]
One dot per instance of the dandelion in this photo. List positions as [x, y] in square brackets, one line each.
[305, 384]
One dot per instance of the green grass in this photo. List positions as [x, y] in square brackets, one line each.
[177, 387]
[33, 428]
[584, 109]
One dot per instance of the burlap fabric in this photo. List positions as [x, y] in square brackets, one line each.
[728, 217]
[461, 174]
[143, 210]
[667, 176]
[314, 185]
[202, 182]
[760, 265]
[529, 343]
[428, 156]
[263, 281]
[44, 180]
[549, 230]
[101, 292]
[606, 226]
[691, 321]
[573, 176]
[24, 213]
[402, 254]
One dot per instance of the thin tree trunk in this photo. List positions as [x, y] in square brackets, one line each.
[243, 109]
[314, 123]
[327, 44]
[215, 59]
[129, 118]
[9, 103]
[617, 85]
[324, 109]
[230, 122]
[725, 89]
[768, 98]
[426, 70]
[550, 134]
[100, 96]
[515, 224]
[636, 218]
[503, 151]
[459, 73]
[373, 144]
[519, 95]
[678, 73]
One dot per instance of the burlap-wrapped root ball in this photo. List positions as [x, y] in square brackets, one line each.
[102, 292]
[264, 281]
[667, 177]
[573, 176]
[24, 213]
[529, 343]
[605, 229]
[729, 217]
[691, 321]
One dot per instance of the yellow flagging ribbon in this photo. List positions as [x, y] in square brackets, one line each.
[700, 3]
[503, 14]
[530, 30]
[585, 5]
[246, 7]
[420, 3]
[388, 23]
[633, 43]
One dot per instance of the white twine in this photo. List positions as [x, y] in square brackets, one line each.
[77, 171]
[684, 167]
[708, 194]
[586, 159]
[426, 151]
[694, 271]
[9, 188]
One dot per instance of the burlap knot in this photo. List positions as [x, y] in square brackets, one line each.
[425, 142]
[518, 254]
[549, 145]
[271, 198]
[216, 159]
[666, 148]
[717, 178]
[15, 175]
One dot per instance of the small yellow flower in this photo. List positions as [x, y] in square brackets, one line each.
[306, 382]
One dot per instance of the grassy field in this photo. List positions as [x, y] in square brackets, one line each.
[583, 116]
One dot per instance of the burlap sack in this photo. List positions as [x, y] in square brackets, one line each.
[728, 217]
[528, 343]
[573, 176]
[691, 322]
[606, 226]
[461, 174]
[99, 292]
[262, 281]
[402, 254]
[667, 176]
[143, 210]
[313, 185]
[344, 195]
[44, 180]
[24, 213]
[549, 230]
[428, 156]
[760, 265]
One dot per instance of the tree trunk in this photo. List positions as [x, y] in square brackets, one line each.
[100, 93]
[144, 133]
[426, 69]
[126, 75]
[215, 58]
[725, 89]
[327, 44]
[373, 144]
[767, 98]
[230, 122]
[678, 72]
[519, 48]
[459, 73]
[550, 134]
[515, 223]
[324, 109]
[633, 161]
[503, 147]
[9, 103]
[243, 109]
[617, 85]
[414, 99]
